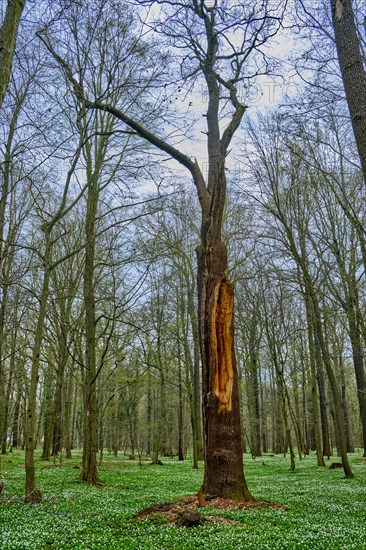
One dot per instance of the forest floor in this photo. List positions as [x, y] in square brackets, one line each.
[186, 511]
[138, 508]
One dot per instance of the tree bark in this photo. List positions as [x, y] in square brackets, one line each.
[32, 494]
[353, 71]
[8, 38]
[350, 448]
[57, 420]
[224, 474]
[89, 472]
[283, 391]
[195, 371]
[327, 451]
[180, 408]
[316, 416]
[358, 362]
[47, 411]
[68, 416]
[253, 390]
[16, 416]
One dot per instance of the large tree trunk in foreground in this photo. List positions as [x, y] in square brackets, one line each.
[224, 474]
[8, 38]
[353, 71]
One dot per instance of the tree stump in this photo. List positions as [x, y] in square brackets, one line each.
[335, 465]
[190, 519]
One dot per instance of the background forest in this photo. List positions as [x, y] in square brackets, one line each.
[100, 229]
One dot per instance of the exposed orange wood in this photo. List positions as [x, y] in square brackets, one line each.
[222, 343]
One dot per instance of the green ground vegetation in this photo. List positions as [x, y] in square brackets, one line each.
[318, 508]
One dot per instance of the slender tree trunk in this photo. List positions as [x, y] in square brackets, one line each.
[89, 472]
[194, 430]
[282, 390]
[345, 406]
[114, 429]
[195, 375]
[156, 441]
[32, 494]
[101, 422]
[264, 433]
[132, 425]
[3, 400]
[160, 412]
[24, 419]
[191, 379]
[305, 414]
[296, 415]
[334, 440]
[296, 426]
[253, 391]
[180, 335]
[73, 427]
[47, 411]
[315, 401]
[180, 410]
[323, 407]
[67, 423]
[57, 401]
[16, 415]
[358, 362]
[7, 403]
[280, 445]
[149, 414]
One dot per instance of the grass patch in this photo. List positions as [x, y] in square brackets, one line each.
[316, 508]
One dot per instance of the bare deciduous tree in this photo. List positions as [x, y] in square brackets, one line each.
[211, 53]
